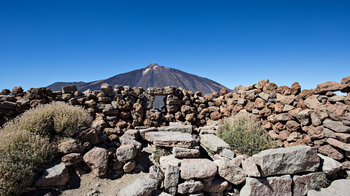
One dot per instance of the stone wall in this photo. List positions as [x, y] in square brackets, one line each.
[289, 115]
[125, 121]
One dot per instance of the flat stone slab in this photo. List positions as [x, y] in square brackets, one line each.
[338, 187]
[197, 168]
[141, 186]
[54, 176]
[336, 126]
[291, 160]
[272, 186]
[177, 127]
[170, 139]
[213, 143]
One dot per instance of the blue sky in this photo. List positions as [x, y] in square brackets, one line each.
[231, 42]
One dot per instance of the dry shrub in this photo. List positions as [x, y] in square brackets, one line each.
[245, 135]
[21, 153]
[57, 118]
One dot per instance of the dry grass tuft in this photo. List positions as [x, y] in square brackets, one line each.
[57, 118]
[21, 153]
[245, 135]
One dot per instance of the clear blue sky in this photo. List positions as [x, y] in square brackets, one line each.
[231, 42]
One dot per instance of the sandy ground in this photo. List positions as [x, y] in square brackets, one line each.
[93, 186]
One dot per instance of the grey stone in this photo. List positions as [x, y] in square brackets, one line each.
[213, 143]
[197, 168]
[177, 128]
[164, 161]
[190, 186]
[171, 179]
[126, 152]
[185, 152]
[336, 126]
[170, 139]
[54, 176]
[304, 183]
[329, 165]
[291, 160]
[142, 186]
[272, 186]
[338, 188]
[250, 167]
[230, 171]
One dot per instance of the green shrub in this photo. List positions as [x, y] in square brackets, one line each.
[21, 153]
[57, 118]
[244, 135]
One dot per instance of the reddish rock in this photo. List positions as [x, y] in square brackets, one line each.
[336, 111]
[328, 86]
[316, 132]
[329, 151]
[97, 160]
[295, 88]
[339, 144]
[215, 115]
[292, 125]
[283, 135]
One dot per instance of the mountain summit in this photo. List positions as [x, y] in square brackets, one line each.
[153, 75]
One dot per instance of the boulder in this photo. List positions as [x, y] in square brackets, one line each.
[338, 187]
[230, 171]
[304, 183]
[70, 146]
[69, 89]
[164, 161]
[190, 186]
[97, 160]
[142, 186]
[56, 175]
[170, 139]
[250, 167]
[291, 160]
[72, 159]
[126, 152]
[272, 186]
[213, 143]
[329, 165]
[197, 168]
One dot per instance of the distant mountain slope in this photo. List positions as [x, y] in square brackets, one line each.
[151, 76]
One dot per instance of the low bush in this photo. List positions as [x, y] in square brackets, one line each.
[57, 118]
[245, 135]
[21, 154]
[29, 142]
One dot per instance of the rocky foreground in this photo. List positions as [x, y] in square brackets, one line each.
[200, 166]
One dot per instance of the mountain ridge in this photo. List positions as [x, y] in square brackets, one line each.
[153, 75]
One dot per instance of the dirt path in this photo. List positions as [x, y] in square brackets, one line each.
[93, 186]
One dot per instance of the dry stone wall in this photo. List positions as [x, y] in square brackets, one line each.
[126, 126]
